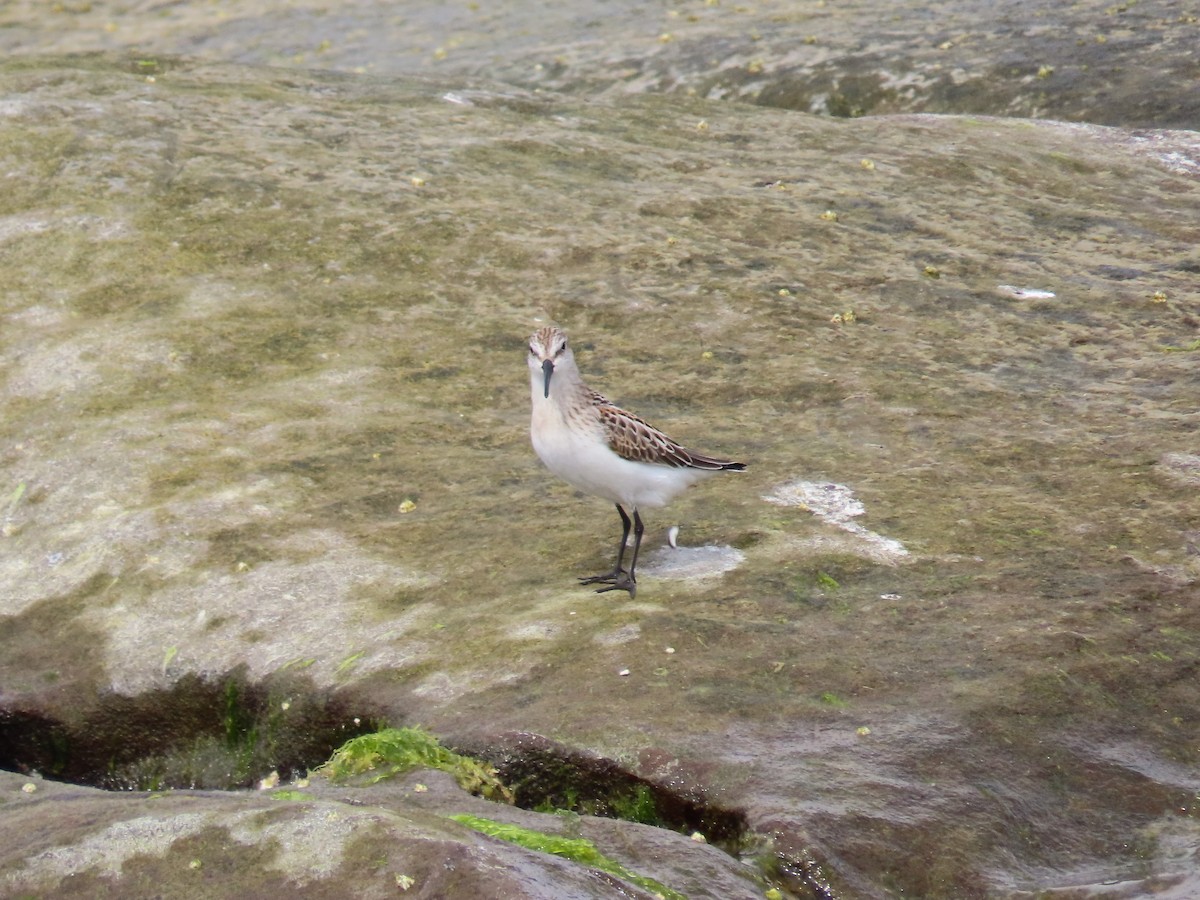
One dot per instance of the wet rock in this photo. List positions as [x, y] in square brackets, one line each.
[317, 841]
[264, 412]
[1097, 61]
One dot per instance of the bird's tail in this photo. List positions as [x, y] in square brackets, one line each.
[699, 461]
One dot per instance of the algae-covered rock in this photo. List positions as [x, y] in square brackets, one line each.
[265, 425]
[69, 841]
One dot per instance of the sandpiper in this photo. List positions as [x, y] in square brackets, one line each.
[603, 450]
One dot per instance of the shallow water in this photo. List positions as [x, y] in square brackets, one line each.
[1092, 61]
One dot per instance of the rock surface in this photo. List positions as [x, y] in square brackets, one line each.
[265, 426]
[323, 841]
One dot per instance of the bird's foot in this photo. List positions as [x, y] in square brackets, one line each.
[619, 580]
[607, 578]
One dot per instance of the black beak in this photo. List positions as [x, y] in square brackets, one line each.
[548, 368]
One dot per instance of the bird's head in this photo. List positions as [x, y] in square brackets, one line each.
[548, 350]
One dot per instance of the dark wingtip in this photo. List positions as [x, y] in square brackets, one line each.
[734, 467]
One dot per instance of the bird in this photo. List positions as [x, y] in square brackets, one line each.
[603, 450]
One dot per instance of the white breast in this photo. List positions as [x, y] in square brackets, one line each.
[579, 454]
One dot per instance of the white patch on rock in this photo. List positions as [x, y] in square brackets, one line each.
[311, 846]
[319, 613]
[445, 686]
[535, 631]
[1182, 468]
[106, 851]
[622, 635]
[836, 505]
[691, 562]
[1025, 293]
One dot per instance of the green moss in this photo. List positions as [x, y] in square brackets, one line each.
[1186, 348]
[575, 849]
[394, 751]
[634, 805]
[637, 806]
[827, 581]
[288, 794]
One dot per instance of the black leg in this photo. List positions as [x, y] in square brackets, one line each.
[624, 537]
[637, 544]
[618, 579]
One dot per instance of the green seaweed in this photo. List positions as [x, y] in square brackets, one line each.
[1186, 348]
[394, 751]
[577, 850]
[827, 581]
[289, 794]
[637, 806]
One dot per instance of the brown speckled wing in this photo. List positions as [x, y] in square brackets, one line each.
[635, 439]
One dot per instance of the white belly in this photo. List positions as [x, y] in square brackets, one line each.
[584, 460]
